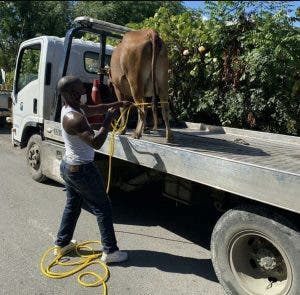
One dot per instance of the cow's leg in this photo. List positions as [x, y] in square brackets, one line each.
[145, 128]
[141, 119]
[154, 114]
[165, 113]
[120, 98]
[137, 93]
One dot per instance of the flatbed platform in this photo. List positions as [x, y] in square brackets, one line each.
[282, 154]
[256, 165]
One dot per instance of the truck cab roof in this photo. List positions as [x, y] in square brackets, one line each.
[76, 42]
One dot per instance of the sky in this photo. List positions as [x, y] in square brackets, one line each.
[201, 5]
[194, 4]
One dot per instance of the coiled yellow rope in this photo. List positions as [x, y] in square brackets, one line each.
[82, 263]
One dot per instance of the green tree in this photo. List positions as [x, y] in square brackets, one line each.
[123, 12]
[21, 20]
[236, 68]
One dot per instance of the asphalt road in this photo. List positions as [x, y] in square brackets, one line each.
[168, 245]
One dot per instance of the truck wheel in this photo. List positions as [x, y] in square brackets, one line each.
[34, 159]
[256, 252]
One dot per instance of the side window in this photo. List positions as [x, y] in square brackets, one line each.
[28, 66]
[92, 62]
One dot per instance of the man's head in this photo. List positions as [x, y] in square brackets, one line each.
[71, 88]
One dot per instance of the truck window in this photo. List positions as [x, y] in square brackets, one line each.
[92, 62]
[28, 66]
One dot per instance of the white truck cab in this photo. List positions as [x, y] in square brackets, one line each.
[39, 67]
[41, 62]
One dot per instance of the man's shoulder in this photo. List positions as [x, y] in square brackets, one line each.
[73, 122]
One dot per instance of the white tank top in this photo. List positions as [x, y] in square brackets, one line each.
[77, 151]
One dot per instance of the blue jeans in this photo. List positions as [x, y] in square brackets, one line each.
[86, 185]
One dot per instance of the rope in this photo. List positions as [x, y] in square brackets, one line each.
[117, 128]
[82, 263]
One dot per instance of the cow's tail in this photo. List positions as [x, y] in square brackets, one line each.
[156, 46]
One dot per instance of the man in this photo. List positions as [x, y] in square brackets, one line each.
[82, 178]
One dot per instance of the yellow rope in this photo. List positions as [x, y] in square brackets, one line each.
[83, 262]
[117, 128]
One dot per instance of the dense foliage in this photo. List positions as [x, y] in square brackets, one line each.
[22, 20]
[239, 70]
[123, 12]
[238, 66]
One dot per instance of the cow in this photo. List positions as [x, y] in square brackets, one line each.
[139, 69]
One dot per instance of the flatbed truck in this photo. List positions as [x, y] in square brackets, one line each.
[255, 176]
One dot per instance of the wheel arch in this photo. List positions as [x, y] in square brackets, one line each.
[30, 128]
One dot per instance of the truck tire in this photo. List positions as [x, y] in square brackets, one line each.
[34, 159]
[256, 252]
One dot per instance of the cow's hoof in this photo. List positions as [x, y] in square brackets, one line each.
[147, 130]
[136, 136]
[170, 139]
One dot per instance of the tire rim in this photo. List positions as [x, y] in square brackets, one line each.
[34, 157]
[259, 264]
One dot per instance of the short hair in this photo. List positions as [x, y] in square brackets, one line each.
[66, 83]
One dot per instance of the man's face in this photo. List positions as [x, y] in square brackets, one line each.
[73, 97]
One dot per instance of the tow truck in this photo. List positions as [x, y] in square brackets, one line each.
[255, 176]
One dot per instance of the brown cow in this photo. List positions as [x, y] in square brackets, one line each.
[139, 69]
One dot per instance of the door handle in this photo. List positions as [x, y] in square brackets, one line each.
[35, 106]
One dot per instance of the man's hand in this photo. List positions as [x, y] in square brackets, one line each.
[112, 111]
[126, 103]
[110, 115]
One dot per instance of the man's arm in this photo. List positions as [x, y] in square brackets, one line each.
[76, 124]
[91, 110]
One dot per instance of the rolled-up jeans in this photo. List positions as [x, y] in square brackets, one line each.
[85, 184]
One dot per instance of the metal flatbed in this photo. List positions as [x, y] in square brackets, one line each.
[257, 165]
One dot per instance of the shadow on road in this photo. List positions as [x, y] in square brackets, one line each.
[163, 261]
[193, 223]
[171, 263]
[53, 183]
[5, 129]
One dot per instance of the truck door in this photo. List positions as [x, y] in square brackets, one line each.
[27, 110]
